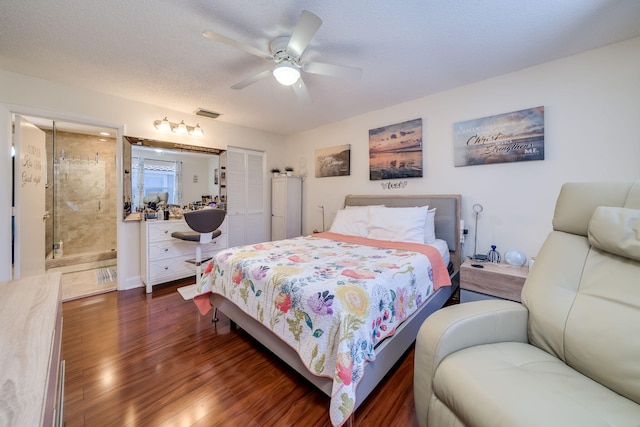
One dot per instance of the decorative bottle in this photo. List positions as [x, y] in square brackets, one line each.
[493, 255]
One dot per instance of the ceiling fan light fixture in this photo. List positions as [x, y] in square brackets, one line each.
[286, 73]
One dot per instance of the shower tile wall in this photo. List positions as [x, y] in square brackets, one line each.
[85, 209]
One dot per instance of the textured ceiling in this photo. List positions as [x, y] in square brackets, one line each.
[153, 50]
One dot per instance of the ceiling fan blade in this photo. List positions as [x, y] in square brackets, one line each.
[230, 42]
[246, 82]
[306, 28]
[332, 70]
[301, 91]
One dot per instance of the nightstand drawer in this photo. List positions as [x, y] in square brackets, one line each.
[468, 296]
[497, 280]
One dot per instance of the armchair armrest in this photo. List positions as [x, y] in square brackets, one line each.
[457, 327]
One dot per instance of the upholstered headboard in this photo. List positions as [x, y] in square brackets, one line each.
[447, 221]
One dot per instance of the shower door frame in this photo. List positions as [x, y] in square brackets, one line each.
[6, 115]
[75, 200]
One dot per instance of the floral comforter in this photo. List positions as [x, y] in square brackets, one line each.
[330, 297]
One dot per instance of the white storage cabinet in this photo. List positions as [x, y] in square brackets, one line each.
[286, 207]
[163, 258]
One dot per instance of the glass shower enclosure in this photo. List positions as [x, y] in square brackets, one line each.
[81, 196]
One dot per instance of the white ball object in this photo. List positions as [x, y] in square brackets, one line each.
[514, 257]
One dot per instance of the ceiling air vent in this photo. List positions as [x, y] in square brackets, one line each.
[207, 113]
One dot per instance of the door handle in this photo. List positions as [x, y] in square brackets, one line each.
[46, 216]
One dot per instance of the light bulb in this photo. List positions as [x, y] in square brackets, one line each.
[286, 73]
[181, 128]
[163, 125]
[197, 131]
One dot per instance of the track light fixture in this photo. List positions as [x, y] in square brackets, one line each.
[165, 125]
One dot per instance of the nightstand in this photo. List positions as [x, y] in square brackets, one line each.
[493, 281]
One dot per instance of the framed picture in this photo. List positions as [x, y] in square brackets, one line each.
[395, 151]
[511, 137]
[333, 161]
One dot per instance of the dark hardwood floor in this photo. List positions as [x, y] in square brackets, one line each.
[137, 359]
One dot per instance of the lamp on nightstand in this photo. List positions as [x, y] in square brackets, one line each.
[322, 207]
[477, 208]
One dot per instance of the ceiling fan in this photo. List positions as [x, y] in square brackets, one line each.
[285, 51]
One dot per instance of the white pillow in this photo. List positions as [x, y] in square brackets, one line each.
[352, 222]
[363, 207]
[430, 226]
[398, 224]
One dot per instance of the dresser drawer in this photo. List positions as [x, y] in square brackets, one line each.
[215, 245]
[161, 230]
[165, 270]
[170, 249]
[163, 258]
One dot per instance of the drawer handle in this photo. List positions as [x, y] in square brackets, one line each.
[166, 231]
[166, 268]
[166, 249]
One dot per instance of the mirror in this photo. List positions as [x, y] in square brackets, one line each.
[181, 173]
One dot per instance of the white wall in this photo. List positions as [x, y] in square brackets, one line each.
[196, 177]
[36, 97]
[214, 167]
[592, 116]
[592, 121]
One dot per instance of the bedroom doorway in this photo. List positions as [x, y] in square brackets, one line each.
[80, 237]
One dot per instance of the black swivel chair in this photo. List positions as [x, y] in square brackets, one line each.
[205, 224]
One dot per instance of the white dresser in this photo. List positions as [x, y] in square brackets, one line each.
[163, 258]
[31, 373]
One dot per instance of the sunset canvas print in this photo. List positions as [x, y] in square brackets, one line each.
[395, 151]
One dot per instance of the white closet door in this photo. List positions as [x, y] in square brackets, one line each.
[245, 198]
[236, 206]
[255, 198]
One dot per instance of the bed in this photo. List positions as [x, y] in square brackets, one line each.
[233, 283]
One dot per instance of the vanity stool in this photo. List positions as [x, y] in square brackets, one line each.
[205, 224]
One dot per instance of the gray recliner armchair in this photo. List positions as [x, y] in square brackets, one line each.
[160, 199]
[569, 355]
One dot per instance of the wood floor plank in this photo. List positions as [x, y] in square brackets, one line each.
[137, 359]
